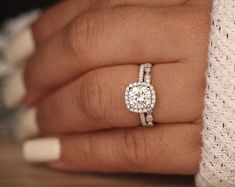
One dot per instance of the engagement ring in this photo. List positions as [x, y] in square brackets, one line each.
[140, 96]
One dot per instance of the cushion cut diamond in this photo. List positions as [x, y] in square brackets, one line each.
[140, 97]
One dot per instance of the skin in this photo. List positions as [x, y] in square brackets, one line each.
[84, 60]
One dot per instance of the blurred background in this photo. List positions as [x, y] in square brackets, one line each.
[11, 13]
[12, 8]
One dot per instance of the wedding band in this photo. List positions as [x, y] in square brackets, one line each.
[140, 96]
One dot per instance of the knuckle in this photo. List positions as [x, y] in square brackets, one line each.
[95, 101]
[135, 150]
[82, 33]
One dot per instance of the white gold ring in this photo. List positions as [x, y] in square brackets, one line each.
[140, 96]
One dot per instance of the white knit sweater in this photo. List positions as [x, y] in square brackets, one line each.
[217, 168]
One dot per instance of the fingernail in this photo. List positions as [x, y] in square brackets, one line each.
[42, 150]
[14, 90]
[26, 125]
[20, 47]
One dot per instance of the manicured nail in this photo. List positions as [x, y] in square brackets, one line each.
[14, 90]
[42, 150]
[20, 47]
[26, 125]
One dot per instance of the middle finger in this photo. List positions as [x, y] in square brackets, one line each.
[53, 19]
[113, 37]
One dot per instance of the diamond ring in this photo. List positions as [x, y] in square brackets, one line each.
[140, 96]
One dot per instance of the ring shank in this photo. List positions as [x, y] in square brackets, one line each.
[145, 76]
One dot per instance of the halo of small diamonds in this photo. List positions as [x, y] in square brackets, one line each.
[140, 97]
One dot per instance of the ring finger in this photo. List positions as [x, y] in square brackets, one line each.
[96, 100]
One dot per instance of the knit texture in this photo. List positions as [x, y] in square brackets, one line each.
[217, 168]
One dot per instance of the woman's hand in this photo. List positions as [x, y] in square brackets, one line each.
[87, 53]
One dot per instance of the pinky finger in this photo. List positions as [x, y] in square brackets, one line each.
[165, 149]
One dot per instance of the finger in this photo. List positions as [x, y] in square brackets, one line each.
[56, 17]
[165, 149]
[96, 100]
[96, 40]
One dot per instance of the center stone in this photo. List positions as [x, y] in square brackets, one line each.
[140, 97]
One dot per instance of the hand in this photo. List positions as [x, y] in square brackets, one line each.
[87, 53]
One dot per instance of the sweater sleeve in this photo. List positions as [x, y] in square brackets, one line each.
[217, 168]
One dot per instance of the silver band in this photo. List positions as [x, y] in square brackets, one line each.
[140, 96]
[145, 76]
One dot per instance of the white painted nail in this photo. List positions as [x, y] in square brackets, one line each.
[20, 47]
[14, 90]
[26, 125]
[42, 150]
